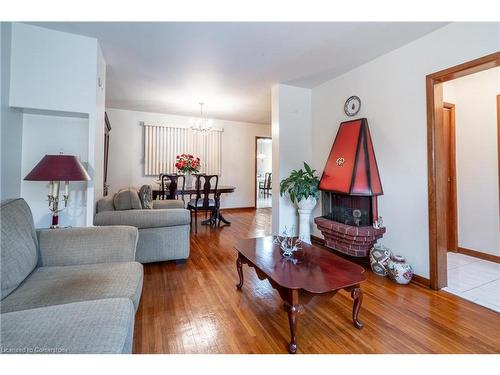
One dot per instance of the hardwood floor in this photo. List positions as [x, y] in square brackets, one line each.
[195, 308]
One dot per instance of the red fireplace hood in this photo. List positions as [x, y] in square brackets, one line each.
[351, 167]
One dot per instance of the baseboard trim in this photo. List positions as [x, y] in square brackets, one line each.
[238, 208]
[417, 279]
[478, 254]
[421, 281]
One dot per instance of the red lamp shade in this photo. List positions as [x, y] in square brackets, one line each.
[58, 168]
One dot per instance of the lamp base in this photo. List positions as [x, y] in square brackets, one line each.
[55, 222]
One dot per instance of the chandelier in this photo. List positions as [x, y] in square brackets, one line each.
[201, 124]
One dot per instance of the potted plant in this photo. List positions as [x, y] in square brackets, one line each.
[302, 187]
[188, 164]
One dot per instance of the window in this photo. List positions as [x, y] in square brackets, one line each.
[163, 143]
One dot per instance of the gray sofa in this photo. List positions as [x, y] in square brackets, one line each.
[163, 229]
[67, 290]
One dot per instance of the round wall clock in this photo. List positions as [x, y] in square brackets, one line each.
[352, 106]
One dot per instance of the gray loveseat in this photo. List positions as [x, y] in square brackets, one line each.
[67, 290]
[163, 229]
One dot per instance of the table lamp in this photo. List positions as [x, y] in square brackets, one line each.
[55, 169]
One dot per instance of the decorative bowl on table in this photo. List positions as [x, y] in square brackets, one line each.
[288, 244]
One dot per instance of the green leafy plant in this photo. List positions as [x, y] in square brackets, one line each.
[300, 184]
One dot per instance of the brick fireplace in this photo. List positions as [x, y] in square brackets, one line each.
[349, 188]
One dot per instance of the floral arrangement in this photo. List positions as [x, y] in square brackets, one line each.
[187, 163]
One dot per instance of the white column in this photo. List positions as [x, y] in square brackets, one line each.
[292, 145]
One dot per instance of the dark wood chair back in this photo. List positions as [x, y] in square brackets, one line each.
[268, 180]
[170, 184]
[204, 184]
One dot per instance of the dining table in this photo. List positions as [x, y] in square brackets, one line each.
[157, 194]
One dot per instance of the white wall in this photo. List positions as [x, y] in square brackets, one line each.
[474, 97]
[126, 155]
[56, 74]
[392, 90]
[52, 70]
[68, 135]
[292, 145]
[11, 121]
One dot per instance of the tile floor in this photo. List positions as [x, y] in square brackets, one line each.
[474, 279]
[264, 201]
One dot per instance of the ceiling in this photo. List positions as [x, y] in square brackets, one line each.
[169, 67]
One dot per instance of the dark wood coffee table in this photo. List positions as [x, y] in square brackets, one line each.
[311, 272]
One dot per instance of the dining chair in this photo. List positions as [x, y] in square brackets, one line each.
[170, 185]
[205, 186]
[266, 186]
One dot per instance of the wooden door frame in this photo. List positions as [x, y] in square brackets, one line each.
[257, 137]
[452, 222]
[498, 148]
[436, 179]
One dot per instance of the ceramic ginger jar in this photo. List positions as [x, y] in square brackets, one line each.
[379, 257]
[398, 270]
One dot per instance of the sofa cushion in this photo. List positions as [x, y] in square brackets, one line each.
[144, 218]
[159, 244]
[65, 284]
[127, 199]
[146, 197]
[88, 245]
[168, 203]
[18, 248]
[98, 326]
[106, 204]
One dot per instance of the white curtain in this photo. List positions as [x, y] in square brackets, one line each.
[163, 143]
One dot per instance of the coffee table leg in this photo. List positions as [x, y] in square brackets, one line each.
[293, 311]
[357, 296]
[293, 315]
[240, 272]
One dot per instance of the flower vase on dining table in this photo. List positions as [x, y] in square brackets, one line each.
[189, 180]
[187, 164]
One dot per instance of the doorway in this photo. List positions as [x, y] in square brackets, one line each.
[263, 172]
[440, 216]
[471, 125]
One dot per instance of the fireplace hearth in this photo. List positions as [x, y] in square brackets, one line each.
[349, 188]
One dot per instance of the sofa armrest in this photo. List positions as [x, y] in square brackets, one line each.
[75, 246]
[168, 203]
[144, 218]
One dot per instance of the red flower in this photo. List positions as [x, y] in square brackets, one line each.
[187, 162]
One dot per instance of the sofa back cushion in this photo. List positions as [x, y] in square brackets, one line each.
[19, 244]
[105, 204]
[127, 199]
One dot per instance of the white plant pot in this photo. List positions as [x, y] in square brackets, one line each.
[305, 207]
